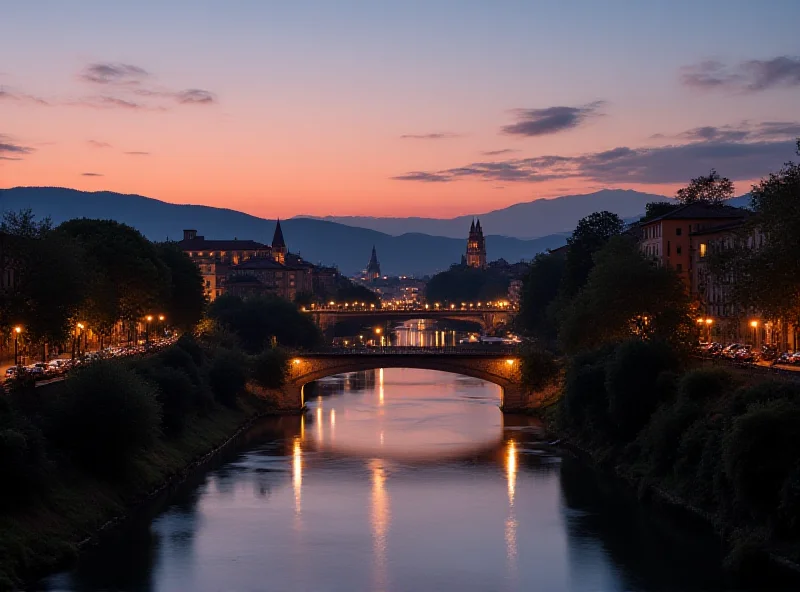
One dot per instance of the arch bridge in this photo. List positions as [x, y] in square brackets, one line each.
[487, 318]
[498, 365]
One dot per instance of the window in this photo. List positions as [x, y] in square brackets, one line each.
[703, 249]
[669, 248]
[679, 267]
[677, 249]
[678, 231]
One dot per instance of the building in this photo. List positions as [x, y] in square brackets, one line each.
[373, 271]
[476, 246]
[515, 292]
[214, 258]
[324, 281]
[667, 239]
[246, 267]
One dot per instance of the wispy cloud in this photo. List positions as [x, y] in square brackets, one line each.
[10, 95]
[136, 153]
[195, 96]
[743, 152]
[499, 152]
[113, 73]
[92, 175]
[747, 76]
[10, 149]
[431, 136]
[97, 144]
[550, 120]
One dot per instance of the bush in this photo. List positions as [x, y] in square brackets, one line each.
[705, 384]
[760, 452]
[539, 368]
[585, 401]
[188, 344]
[657, 441]
[23, 460]
[270, 368]
[107, 414]
[175, 393]
[181, 359]
[631, 382]
[227, 376]
[764, 392]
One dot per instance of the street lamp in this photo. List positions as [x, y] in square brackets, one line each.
[378, 332]
[709, 322]
[149, 319]
[754, 325]
[17, 331]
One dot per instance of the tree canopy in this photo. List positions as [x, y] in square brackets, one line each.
[539, 290]
[710, 189]
[467, 284]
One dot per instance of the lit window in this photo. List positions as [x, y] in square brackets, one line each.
[702, 249]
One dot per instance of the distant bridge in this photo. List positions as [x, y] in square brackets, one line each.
[487, 318]
[498, 365]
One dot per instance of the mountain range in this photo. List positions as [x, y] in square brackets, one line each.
[403, 245]
[318, 241]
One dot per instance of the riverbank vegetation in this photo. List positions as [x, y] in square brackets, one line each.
[718, 441]
[77, 453]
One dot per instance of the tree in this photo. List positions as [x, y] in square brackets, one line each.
[467, 284]
[186, 302]
[591, 234]
[762, 260]
[625, 296]
[49, 283]
[710, 189]
[656, 209]
[348, 291]
[128, 279]
[539, 290]
[257, 321]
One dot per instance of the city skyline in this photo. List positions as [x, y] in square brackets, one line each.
[437, 110]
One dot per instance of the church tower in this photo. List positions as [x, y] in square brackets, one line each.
[278, 244]
[373, 267]
[476, 246]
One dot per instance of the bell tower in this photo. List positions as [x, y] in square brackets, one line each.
[476, 246]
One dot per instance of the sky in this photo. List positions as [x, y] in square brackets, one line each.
[432, 108]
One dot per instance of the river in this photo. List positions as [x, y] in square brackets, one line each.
[400, 480]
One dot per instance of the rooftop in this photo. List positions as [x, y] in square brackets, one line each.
[200, 243]
[702, 211]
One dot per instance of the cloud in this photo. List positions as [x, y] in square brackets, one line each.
[8, 95]
[432, 136]
[743, 152]
[11, 150]
[92, 175]
[195, 96]
[746, 76]
[97, 144]
[550, 120]
[137, 153]
[113, 73]
[499, 152]
[422, 176]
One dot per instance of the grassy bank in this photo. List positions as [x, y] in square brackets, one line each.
[722, 445]
[78, 455]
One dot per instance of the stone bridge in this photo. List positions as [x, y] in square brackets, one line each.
[500, 366]
[487, 318]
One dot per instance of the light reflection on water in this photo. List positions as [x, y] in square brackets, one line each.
[400, 480]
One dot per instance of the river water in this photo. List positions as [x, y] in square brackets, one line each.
[400, 480]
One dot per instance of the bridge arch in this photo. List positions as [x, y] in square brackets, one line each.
[500, 369]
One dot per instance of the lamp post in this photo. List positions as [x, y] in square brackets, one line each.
[754, 325]
[17, 331]
[380, 337]
[161, 318]
[709, 322]
[149, 319]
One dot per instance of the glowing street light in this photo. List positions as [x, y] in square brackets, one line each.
[17, 331]
[754, 325]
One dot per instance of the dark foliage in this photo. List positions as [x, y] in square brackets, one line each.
[467, 284]
[186, 301]
[539, 290]
[227, 376]
[270, 368]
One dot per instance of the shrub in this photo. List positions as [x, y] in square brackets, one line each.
[585, 401]
[539, 368]
[657, 441]
[270, 368]
[188, 344]
[23, 460]
[175, 393]
[704, 384]
[107, 414]
[760, 452]
[764, 392]
[227, 376]
[631, 381]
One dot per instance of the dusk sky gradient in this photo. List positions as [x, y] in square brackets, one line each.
[426, 108]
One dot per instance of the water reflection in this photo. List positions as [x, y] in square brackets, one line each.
[401, 480]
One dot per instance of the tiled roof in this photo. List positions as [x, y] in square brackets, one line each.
[702, 211]
[201, 244]
[720, 228]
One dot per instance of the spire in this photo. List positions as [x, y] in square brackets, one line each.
[472, 226]
[277, 238]
[478, 228]
[373, 260]
[373, 267]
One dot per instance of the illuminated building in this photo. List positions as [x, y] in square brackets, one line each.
[476, 247]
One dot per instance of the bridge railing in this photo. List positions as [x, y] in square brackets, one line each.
[461, 350]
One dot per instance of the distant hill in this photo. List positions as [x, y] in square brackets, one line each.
[524, 220]
[318, 241]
